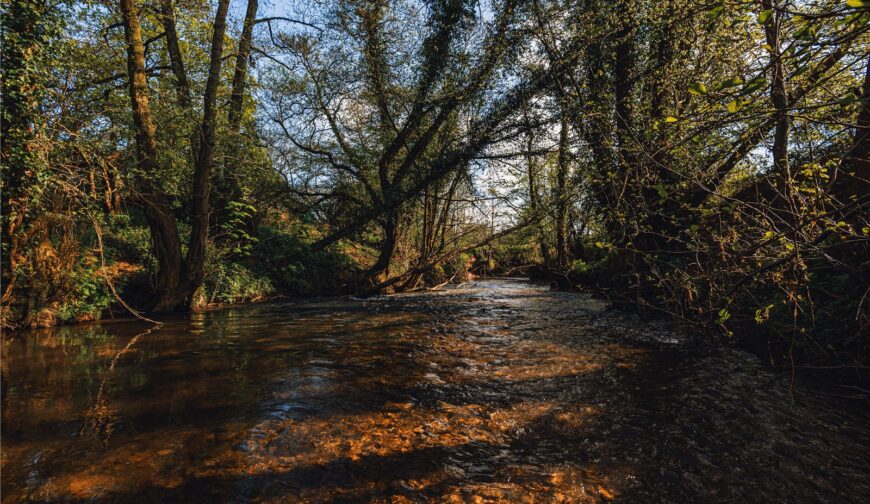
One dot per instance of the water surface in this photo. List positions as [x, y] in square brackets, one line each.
[499, 391]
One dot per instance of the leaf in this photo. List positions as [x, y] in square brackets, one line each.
[663, 192]
[734, 105]
[754, 85]
[800, 71]
[671, 119]
[762, 314]
[858, 4]
[698, 88]
[852, 18]
[848, 100]
[764, 15]
[715, 12]
[729, 83]
[806, 32]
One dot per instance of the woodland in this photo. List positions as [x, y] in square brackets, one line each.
[706, 162]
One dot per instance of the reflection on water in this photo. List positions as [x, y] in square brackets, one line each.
[500, 391]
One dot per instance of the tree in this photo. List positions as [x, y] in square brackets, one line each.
[178, 277]
[390, 140]
[28, 29]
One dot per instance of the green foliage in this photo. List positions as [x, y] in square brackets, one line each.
[729, 83]
[129, 242]
[231, 282]
[235, 228]
[287, 257]
[580, 266]
[698, 88]
[88, 296]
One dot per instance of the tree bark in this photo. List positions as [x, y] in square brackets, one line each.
[237, 97]
[597, 91]
[624, 74]
[194, 270]
[381, 269]
[240, 75]
[858, 157]
[24, 39]
[167, 14]
[563, 254]
[178, 277]
[778, 98]
[534, 197]
[158, 213]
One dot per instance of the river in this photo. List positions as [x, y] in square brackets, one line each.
[496, 391]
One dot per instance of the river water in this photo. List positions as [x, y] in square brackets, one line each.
[497, 391]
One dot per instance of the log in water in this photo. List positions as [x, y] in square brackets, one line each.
[495, 391]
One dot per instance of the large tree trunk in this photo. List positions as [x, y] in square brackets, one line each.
[624, 85]
[858, 158]
[598, 88]
[158, 213]
[563, 254]
[778, 98]
[194, 268]
[167, 14]
[23, 40]
[177, 278]
[534, 197]
[240, 75]
[380, 272]
[237, 97]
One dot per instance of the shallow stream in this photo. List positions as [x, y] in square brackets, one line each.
[497, 391]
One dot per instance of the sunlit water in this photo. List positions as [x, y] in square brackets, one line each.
[499, 391]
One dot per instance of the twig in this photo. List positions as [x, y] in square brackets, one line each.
[123, 303]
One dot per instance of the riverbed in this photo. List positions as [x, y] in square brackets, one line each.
[495, 391]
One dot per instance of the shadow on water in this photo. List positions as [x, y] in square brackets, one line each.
[499, 391]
